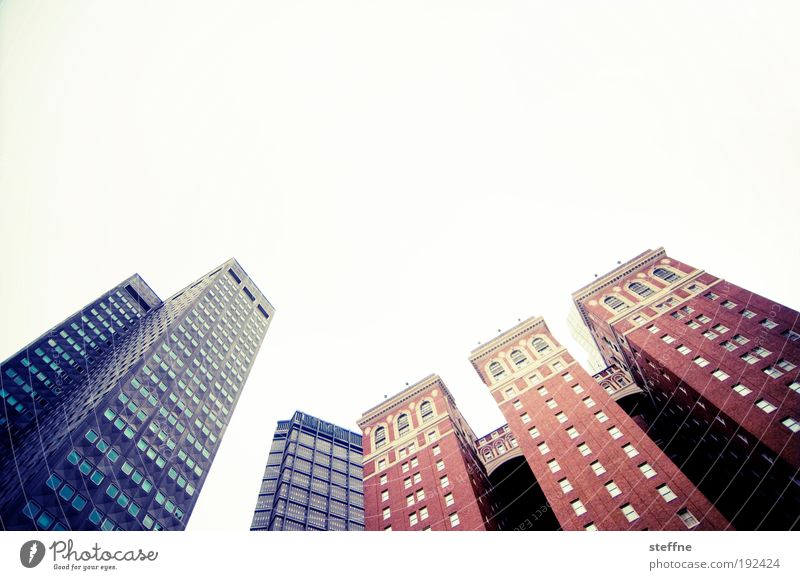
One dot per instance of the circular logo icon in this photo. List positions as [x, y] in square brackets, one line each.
[31, 553]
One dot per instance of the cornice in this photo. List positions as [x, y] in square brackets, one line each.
[399, 398]
[506, 337]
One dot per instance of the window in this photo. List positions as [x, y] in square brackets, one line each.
[427, 411]
[573, 433]
[403, 425]
[589, 402]
[440, 465]
[749, 358]
[384, 479]
[721, 375]
[404, 467]
[700, 361]
[728, 345]
[693, 324]
[562, 418]
[420, 494]
[540, 346]
[786, 365]
[414, 462]
[423, 513]
[721, 328]
[584, 449]
[525, 418]
[742, 390]
[668, 339]
[518, 358]
[765, 406]
[792, 335]
[387, 529]
[683, 349]
[711, 296]
[590, 527]
[615, 304]
[791, 424]
[761, 351]
[380, 437]
[666, 493]
[417, 477]
[667, 275]
[710, 335]
[641, 289]
[387, 513]
[629, 513]
[551, 403]
[648, 471]
[543, 448]
[566, 486]
[436, 450]
[412, 519]
[748, 313]
[443, 481]
[630, 450]
[688, 518]
[542, 391]
[454, 520]
[773, 372]
[741, 339]
[653, 329]
[597, 467]
[613, 489]
[703, 319]
[578, 389]
[517, 404]
[795, 386]
[767, 323]
[729, 305]
[381, 464]
[385, 495]
[449, 499]
[577, 506]
[496, 370]
[407, 483]
[567, 377]
[554, 466]
[602, 417]
[533, 432]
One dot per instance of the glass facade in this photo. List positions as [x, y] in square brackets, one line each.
[313, 479]
[112, 418]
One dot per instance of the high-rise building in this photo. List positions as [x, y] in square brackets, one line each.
[719, 365]
[313, 479]
[595, 465]
[112, 418]
[421, 467]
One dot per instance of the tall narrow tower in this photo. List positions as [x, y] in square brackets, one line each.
[596, 467]
[421, 467]
[112, 418]
[720, 366]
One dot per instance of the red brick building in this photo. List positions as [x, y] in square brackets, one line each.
[596, 467]
[719, 365]
[421, 467]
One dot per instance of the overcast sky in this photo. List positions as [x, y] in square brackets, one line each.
[401, 179]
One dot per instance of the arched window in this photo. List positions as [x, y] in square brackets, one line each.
[497, 370]
[518, 358]
[540, 346]
[403, 425]
[615, 303]
[488, 454]
[620, 380]
[501, 448]
[641, 289]
[426, 409]
[380, 437]
[665, 274]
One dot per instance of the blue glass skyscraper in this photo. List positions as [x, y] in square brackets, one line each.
[112, 418]
[313, 479]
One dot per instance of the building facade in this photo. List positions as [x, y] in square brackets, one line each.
[313, 479]
[421, 467]
[595, 465]
[113, 417]
[719, 364]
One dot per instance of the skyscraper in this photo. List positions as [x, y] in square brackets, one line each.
[313, 478]
[113, 417]
[719, 365]
[421, 467]
[596, 467]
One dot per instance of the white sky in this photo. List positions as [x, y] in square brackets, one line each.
[401, 179]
